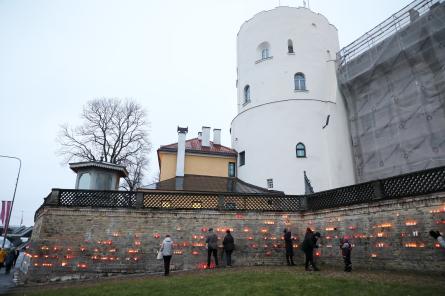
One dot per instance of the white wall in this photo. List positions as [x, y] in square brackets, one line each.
[277, 118]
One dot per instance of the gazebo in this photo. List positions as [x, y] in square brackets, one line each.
[97, 175]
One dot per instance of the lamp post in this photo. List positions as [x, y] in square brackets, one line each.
[13, 197]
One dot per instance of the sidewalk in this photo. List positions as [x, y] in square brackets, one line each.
[6, 281]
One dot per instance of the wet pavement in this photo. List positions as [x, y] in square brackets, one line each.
[6, 281]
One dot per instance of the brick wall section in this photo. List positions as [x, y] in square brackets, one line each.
[85, 242]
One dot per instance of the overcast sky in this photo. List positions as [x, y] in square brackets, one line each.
[176, 58]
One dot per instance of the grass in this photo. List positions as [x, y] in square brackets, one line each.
[256, 281]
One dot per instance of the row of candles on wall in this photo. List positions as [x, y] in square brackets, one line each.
[105, 252]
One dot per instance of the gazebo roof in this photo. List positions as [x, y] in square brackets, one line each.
[76, 166]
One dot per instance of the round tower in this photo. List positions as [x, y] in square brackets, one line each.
[291, 118]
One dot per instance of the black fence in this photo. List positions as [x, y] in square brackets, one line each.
[413, 184]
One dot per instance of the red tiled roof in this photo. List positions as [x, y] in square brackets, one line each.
[195, 146]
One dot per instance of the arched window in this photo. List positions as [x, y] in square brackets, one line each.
[264, 50]
[301, 150]
[265, 53]
[299, 81]
[290, 46]
[246, 94]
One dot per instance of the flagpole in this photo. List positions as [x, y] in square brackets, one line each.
[13, 198]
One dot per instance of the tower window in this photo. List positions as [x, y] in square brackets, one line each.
[269, 183]
[242, 158]
[264, 51]
[299, 81]
[290, 46]
[301, 150]
[246, 94]
[231, 169]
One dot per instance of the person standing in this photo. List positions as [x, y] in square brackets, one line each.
[167, 252]
[9, 260]
[2, 257]
[346, 248]
[289, 247]
[438, 236]
[229, 246]
[308, 245]
[212, 247]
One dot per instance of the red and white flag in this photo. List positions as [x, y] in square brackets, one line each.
[6, 208]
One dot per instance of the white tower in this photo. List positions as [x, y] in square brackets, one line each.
[287, 90]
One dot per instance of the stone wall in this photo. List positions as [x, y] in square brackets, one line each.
[84, 242]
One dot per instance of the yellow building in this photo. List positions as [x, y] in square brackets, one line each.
[201, 157]
[200, 165]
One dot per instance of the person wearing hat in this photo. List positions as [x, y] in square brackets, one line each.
[289, 247]
[212, 247]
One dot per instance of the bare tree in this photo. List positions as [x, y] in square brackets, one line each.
[114, 131]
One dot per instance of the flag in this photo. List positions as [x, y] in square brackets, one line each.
[6, 209]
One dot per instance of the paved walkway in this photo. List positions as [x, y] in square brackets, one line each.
[6, 281]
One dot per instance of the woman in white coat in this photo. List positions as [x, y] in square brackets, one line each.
[167, 252]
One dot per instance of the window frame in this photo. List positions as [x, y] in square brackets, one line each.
[242, 158]
[300, 82]
[233, 166]
[290, 46]
[246, 94]
[300, 147]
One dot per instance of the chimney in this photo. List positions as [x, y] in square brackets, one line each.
[180, 156]
[200, 136]
[205, 136]
[217, 136]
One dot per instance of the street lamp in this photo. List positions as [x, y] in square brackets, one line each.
[13, 197]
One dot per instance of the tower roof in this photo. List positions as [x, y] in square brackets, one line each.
[76, 166]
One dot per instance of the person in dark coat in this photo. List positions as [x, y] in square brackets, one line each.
[212, 247]
[346, 248]
[229, 246]
[308, 246]
[9, 260]
[16, 255]
[289, 247]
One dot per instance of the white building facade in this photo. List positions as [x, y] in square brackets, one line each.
[291, 117]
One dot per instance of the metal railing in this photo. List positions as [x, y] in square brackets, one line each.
[388, 27]
[412, 184]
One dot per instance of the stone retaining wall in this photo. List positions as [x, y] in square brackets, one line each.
[84, 242]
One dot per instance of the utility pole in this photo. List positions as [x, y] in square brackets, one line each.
[13, 198]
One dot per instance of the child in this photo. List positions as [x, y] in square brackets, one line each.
[346, 248]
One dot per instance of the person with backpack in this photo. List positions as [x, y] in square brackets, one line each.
[229, 246]
[346, 248]
[289, 247]
[308, 246]
[167, 253]
[212, 247]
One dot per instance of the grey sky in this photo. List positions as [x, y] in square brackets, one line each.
[176, 58]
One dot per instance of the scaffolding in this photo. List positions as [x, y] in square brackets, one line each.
[393, 82]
